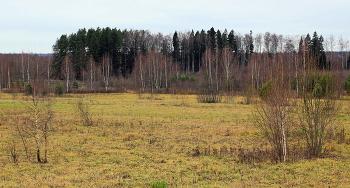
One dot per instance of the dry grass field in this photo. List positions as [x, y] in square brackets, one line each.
[153, 140]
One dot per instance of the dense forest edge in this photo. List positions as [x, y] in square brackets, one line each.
[212, 61]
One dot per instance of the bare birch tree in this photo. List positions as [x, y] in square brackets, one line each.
[106, 71]
[273, 117]
[48, 71]
[341, 44]
[35, 128]
[228, 66]
[67, 71]
[91, 72]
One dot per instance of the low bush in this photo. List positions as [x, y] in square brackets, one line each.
[265, 90]
[59, 89]
[28, 90]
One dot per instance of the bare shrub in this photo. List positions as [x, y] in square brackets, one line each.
[316, 115]
[273, 118]
[12, 147]
[34, 128]
[85, 112]
[209, 98]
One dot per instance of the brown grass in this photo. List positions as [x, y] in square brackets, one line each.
[172, 138]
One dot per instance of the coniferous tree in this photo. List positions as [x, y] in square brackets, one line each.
[192, 50]
[74, 53]
[249, 47]
[232, 41]
[224, 37]
[80, 53]
[61, 50]
[197, 51]
[176, 46]
[106, 41]
[212, 38]
[301, 45]
[219, 40]
[116, 37]
[316, 52]
[94, 44]
[251, 44]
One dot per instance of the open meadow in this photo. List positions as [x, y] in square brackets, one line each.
[161, 139]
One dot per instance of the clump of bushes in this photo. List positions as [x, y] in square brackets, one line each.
[193, 79]
[183, 78]
[325, 85]
[75, 84]
[318, 86]
[28, 90]
[59, 89]
[265, 90]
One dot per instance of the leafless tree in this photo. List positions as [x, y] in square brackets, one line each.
[273, 117]
[139, 68]
[267, 42]
[91, 68]
[329, 44]
[22, 68]
[48, 70]
[209, 64]
[281, 40]
[35, 128]
[229, 67]
[28, 66]
[274, 44]
[67, 71]
[106, 71]
[341, 44]
[8, 77]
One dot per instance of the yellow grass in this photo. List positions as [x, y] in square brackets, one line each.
[141, 139]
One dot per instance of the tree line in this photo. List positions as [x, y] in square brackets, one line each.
[123, 47]
[107, 60]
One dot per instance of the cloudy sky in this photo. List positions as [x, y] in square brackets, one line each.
[34, 25]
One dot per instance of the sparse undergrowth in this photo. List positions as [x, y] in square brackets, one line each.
[141, 143]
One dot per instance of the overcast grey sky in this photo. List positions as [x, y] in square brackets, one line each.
[34, 25]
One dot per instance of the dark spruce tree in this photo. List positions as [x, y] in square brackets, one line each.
[225, 38]
[60, 51]
[249, 48]
[197, 53]
[115, 49]
[219, 40]
[176, 46]
[192, 50]
[317, 56]
[232, 42]
[212, 39]
[94, 49]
